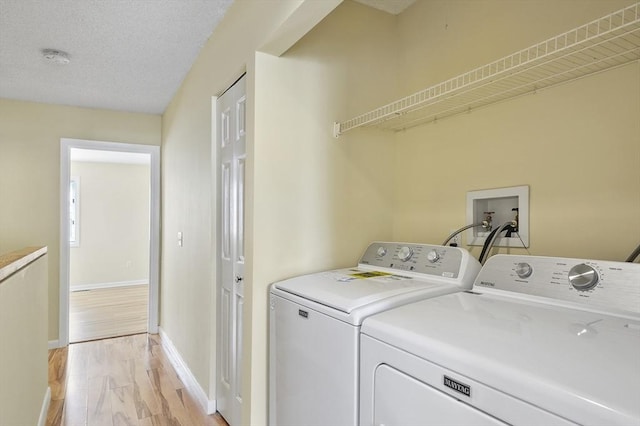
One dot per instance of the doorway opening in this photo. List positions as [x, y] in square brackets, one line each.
[109, 240]
[109, 197]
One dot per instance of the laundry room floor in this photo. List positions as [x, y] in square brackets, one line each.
[122, 381]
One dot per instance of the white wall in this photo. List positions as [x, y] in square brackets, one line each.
[114, 224]
[30, 171]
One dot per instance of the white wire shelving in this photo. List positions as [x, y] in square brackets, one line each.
[608, 42]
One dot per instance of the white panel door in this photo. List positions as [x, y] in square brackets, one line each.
[230, 125]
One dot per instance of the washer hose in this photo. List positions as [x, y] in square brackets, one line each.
[464, 228]
[488, 243]
[632, 257]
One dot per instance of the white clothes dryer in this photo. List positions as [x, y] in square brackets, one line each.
[538, 341]
[315, 325]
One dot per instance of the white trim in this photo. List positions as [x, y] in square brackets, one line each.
[83, 287]
[215, 227]
[154, 243]
[54, 344]
[185, 374]
[42, 420]
[154, 225]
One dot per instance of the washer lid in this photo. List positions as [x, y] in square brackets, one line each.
[581, 365]
[350, 289]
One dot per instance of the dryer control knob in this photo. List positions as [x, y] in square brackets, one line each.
[524, 270]
[583, 277]
[433, 256]
[381, 251]
[405, 253]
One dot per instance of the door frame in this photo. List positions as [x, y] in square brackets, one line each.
[216, 225]
[66, 145]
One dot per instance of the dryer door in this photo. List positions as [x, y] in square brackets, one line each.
[402, 400]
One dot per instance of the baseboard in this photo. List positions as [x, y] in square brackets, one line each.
[185, 374]
[84, 287]
[42, 420]
[54, 344]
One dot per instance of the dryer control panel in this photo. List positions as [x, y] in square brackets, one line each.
[419, 259]
[598, 283]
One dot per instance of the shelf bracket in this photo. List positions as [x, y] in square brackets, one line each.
[336, 129]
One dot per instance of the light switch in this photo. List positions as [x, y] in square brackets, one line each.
[179, 239]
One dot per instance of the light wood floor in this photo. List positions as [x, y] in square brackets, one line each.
[108, 312]
[122, 381]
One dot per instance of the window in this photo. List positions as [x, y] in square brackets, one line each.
[74, 210]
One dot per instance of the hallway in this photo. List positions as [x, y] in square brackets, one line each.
[121, 381]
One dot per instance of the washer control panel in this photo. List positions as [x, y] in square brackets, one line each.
[416, 258]
[598, 283]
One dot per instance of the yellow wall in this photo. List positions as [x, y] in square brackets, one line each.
[113, 224]
[313, 202]
[23, 352]
[440, 39]
[577, 145]
[317, 201]
[30, 171]
[188, 273]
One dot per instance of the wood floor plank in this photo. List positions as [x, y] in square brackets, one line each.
[57, 374]
[78, 359]
[123, 407]
[99, 410]
[97, 361]
[144, 395]
[108, 312]
[75, 403]
[198, 417]
[172, 406]
[54, 415]
[156, 420]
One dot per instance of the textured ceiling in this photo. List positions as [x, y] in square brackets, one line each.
[126, 55]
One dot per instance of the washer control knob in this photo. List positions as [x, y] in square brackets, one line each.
[405, 253]
[524, 270]
[381, 251]
[583, 277]
[433, 256]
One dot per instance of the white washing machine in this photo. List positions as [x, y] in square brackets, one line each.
[315, 325]
[538, 341]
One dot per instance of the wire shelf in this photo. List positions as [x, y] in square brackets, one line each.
[608, 42]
